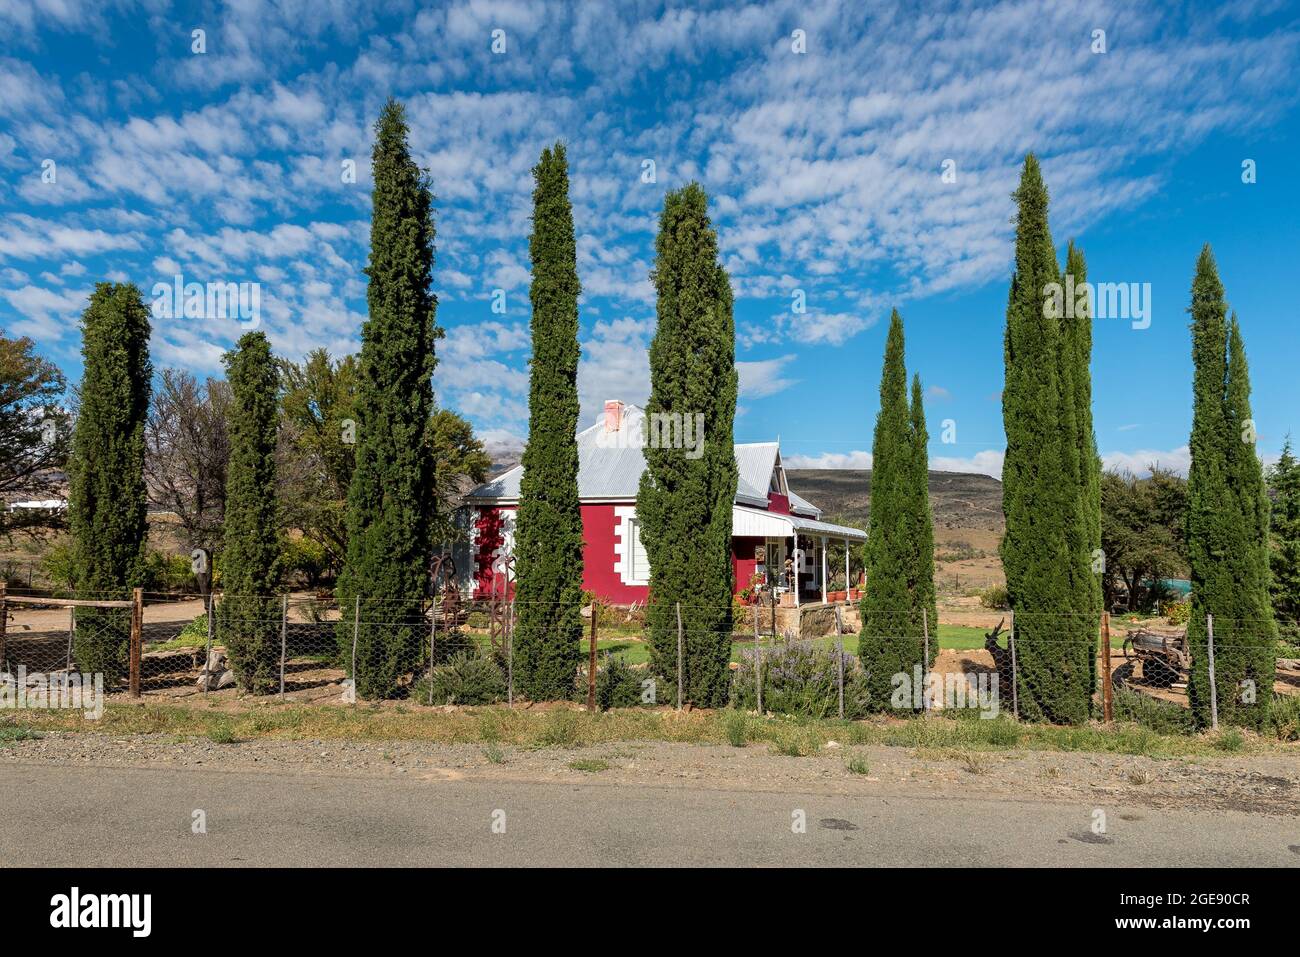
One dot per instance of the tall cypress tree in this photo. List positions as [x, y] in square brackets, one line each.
[924, 596]
[684, 502]
[1227, 520]
[247, 618]
[1042, 546]
[1284, 526]
[548, 530]
[390, 498]
[106, 492]
[889, 642]
[1077, 333]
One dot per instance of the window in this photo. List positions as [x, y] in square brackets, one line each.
[639, 562]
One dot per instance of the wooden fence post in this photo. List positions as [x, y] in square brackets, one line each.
[284, 628]
[4, 620]
[591, 662]
[1015, 675]
[137, 627]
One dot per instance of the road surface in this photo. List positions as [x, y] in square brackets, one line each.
[92, 815]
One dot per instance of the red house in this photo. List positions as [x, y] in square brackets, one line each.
[769, 521]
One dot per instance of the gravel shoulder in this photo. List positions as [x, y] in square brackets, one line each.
[1257, 784]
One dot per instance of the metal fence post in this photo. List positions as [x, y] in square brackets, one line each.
[1015, 674]
[510, 654]
[1107, 688]
[72, 630]
[679, 656]
[356, 628]
[758, 663]
[925, 663]
[212, 609]
[284, 628]
[1214, 691]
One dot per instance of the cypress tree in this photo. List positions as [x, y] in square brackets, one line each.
[248, 618]
[106, 492]
[1284, 484]
[1078, 336]
[924, 596]
[685, 500]
[900, 540]
[390, 498]
[1044, 539]
[1227, 520]
[548, 530]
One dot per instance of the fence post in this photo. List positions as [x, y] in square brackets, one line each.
[1214, 691]
[72, 630]
[758, 663]
[591, 662]
[137, 626]
[1107, 690]
[356, 628]
[679, 656]
[284, 628]
[510, 654]
[839, 666]
[207, 654]
[433, 638]
[1015, 674]
[4, 621]
[925, 663]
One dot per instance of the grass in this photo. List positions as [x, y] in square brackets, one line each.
[590, 765]
[567, 728]
[858, 765]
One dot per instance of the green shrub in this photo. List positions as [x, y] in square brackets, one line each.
[618, 684]
[449, 644]
[1230, 740]
[858, 765]
[302, 559]
[1163, 717]
[168, 573]
[467, 679]
[1178, 612]
[1284, 717]
[995, 597]
[736, 727]
[57, 566]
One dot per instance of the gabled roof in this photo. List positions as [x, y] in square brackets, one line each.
[610, 467]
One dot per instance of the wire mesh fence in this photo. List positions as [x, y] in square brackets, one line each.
[455, 650]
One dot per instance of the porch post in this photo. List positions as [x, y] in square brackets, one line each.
[846, 569]
[823, 569]
[794, 564]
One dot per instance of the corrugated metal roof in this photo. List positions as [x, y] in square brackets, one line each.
[610, 466]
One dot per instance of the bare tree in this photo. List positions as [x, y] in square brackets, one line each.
[34, 429]
[186, 452]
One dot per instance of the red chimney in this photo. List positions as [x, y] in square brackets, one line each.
[613, 415]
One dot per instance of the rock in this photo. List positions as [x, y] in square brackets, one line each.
[226, 680]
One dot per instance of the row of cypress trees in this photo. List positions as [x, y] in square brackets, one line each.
[1051, 473]
[1227, 520]
[683, 504]
[899, 603]
[1051, 551]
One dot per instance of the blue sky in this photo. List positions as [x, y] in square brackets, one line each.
[824, 168]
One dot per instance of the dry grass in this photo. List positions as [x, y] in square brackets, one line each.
[565, 727]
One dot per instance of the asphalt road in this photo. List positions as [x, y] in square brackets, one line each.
[85, 815]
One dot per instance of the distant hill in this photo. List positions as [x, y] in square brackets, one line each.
[959, 500]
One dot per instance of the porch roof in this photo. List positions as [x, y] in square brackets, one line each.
[758, 523]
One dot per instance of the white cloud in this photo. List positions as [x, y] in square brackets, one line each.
[1140, 461]
[763, 378]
